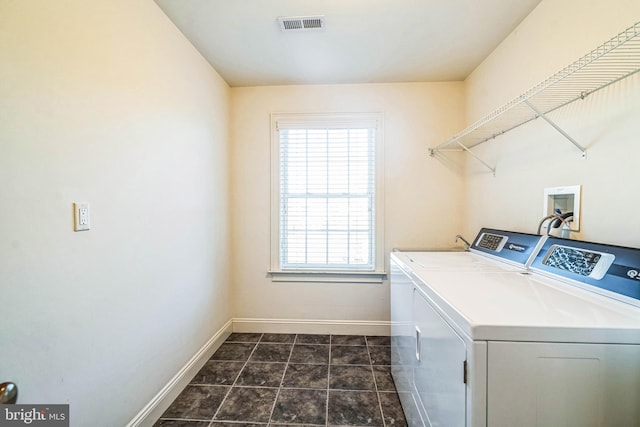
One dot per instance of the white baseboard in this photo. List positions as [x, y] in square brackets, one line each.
[161, 401]
[303, 326]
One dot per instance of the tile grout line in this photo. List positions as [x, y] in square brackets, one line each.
[189, 420]
[286, 367]
[326, 411]
[255, 346]
[375, 383]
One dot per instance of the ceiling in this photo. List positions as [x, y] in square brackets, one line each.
[364, 41]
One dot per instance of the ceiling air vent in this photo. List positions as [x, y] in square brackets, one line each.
[301, 23]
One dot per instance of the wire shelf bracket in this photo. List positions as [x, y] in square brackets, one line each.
[558, 128]
[614, 60]
[433, 152]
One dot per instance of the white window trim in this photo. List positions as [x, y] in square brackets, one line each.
[342, 276]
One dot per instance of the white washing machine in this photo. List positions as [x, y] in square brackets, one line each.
[550, 341]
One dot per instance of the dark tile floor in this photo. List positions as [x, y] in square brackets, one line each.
[255, 380]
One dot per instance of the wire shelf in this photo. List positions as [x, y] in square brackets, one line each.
[610, 62]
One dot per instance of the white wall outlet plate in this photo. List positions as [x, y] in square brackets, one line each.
[81, 216]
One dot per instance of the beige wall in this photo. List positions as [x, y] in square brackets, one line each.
[106, 102]
[535, 156]
[422, 195]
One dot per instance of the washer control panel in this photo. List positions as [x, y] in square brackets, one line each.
[612, 269]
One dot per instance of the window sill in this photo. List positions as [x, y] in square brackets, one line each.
[328, 276]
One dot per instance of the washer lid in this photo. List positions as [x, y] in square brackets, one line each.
[528, 307]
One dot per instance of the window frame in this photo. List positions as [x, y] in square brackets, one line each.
[351, 275]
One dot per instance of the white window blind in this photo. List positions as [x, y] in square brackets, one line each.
[327, 194]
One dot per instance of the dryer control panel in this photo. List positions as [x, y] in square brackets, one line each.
[511, 246]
